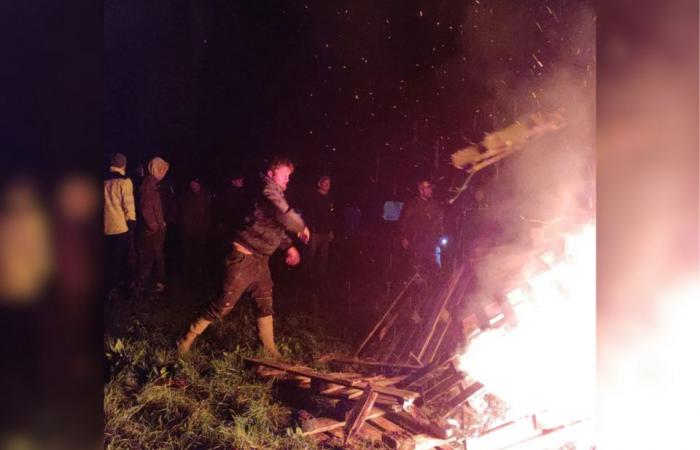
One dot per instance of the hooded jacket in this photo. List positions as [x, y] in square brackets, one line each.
[118, 202]
[150, 204]
[266, 227]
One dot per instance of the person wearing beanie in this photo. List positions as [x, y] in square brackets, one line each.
[119, 223]
[151, 233]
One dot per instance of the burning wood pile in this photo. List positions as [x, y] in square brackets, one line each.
[403, 386]
[410, 383]
[411, 410]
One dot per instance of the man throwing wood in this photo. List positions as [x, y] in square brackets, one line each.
[247, 267]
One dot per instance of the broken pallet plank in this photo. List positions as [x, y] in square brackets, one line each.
[436, 314]
[379, 365]
[338, 424]
[425, 372]
[400, 394]
[357, 415]
[386, 314]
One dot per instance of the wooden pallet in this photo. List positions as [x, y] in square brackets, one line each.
[374, 407]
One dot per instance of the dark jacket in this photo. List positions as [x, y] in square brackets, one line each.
[229, 209]
[195, 212]
[150, 205]
[421, 222]
[318, 211]
[266, 227]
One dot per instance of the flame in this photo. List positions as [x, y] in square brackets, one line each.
[546, 362]
[648, 396]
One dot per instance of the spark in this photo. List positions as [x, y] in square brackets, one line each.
[538, 26]
[552, 13]
[538, 61]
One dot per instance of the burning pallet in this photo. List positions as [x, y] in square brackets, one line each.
[406, 386]
[416, 327]
[407, 411]
[409, 392]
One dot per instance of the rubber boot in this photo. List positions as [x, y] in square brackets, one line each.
[267, 336]
[196, 328]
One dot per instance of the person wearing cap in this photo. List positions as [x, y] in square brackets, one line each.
[119, 223]
[151, 234]
[420, 226]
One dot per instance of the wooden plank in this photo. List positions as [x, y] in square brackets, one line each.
[337, 425]
[456, 278]
[321, 386]
[370, 432]
[386, 314]
[358, 414]
[443, 387]
[393, 436]
[424, 372]
[441, 336]
[376, 364]
[401, 394]
[425, 442]
[455, 402]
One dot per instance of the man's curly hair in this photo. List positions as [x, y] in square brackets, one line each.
[279, 161]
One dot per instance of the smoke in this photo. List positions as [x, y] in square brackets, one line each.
[548, 186]
[537, 196]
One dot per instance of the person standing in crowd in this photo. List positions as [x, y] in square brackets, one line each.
[151, 235]
[420, 226]
[319, 214]
[119, 224]
[195, 213]
[230, 205]
[247, 266]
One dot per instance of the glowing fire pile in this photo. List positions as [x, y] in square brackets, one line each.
[543, 368]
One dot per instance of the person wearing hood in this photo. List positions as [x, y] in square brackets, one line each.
[247, 269]
[151, 235]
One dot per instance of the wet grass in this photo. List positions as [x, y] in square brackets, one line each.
[154, 399]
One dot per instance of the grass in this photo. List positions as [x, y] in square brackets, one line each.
[154, 399]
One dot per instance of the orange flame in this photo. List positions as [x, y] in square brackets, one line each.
[547, 362]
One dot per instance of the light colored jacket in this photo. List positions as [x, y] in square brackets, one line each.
[118, 202]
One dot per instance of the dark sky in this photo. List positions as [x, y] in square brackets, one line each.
[377, 92]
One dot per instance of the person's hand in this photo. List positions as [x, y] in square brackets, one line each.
[305, 235]
[293, 257]
[404, 243]
[332, 236]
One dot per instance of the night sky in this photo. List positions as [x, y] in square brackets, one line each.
[377, 93]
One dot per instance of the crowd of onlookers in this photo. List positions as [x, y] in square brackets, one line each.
[152, 224]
